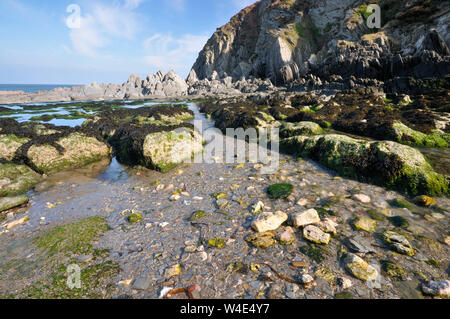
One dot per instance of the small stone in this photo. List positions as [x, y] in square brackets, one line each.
[299, 264]
[173, 271]
[362, 198]
[344, 283]
[365, 224]
[306, 279]
[315, 235]
[305, 218]
[141, 284]
[85, 258]
[437, 288]
[125, 282]
[269, 221]
[261, 240]
[287, 237]
[359, 268]
[425, 201]
[174, 198]
[302, 202]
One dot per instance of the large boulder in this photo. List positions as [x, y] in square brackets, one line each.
[71, 151]
[385, 163]
[16, 179]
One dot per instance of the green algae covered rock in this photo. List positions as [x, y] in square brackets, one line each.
[384, 163]
[11, 202]
[301, 128]
[16, 179]
[280, 191]
[217, 243]
[405, 135]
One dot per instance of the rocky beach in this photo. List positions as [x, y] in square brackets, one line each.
[100, 176]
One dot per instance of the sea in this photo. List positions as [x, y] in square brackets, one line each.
[31, 88]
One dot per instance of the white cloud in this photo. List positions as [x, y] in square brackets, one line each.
[101, 23]
[166, 52]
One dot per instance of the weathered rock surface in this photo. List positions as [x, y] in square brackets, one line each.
[159, 85]
[284, 40]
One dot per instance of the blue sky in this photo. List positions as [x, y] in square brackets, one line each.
[115, 38]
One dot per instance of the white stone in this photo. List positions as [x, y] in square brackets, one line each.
[306, 218]
[269, 221]
[316, 235]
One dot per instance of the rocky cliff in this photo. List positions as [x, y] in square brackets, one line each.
[283, 40]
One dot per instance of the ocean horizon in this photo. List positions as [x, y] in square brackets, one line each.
[31, 88]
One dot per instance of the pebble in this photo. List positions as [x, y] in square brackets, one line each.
[362, 198]
[344, 283]
[302, 202]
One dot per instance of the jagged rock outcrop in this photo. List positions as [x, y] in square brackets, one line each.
[159, 85]
[284, 40]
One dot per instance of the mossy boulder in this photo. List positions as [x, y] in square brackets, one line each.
[11, 202]
[384, 163]
[162, 150]
[280, 191]
[16, 179]
[72, 151]
[301, 128]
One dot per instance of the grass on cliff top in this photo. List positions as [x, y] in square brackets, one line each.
[74, 238]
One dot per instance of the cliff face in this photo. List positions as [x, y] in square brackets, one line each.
[285, 39]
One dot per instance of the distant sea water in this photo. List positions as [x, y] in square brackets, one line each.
[31, 88]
